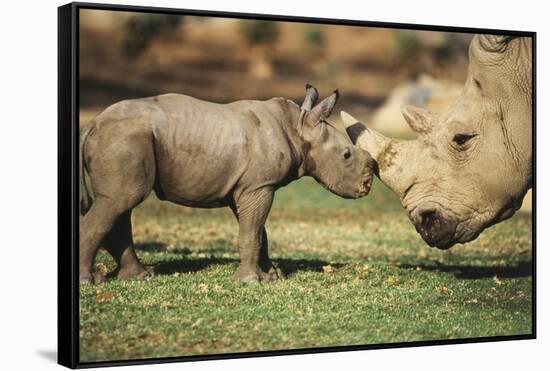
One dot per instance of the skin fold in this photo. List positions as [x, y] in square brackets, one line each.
[207, 155]
[469, 167]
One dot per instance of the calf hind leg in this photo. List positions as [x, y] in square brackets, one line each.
[94, 226]
[266, 264]
[121, 169]
[120, 245]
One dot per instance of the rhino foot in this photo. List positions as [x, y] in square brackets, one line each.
[274, 273]
[135, 273]
[257, 275]
[91, 278]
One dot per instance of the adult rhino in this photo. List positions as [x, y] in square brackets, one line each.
[207, 155]
[469, 167]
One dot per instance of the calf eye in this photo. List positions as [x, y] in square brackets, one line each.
[347, 154]
[462, 139]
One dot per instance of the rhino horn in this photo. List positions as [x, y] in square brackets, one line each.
[366, 138]
[311, 98]
[388, 153]
[419, 119]
[354, 128]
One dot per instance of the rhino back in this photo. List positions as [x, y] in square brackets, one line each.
[205, 151]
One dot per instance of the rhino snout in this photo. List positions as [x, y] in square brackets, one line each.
[435, 227]
[364, 184]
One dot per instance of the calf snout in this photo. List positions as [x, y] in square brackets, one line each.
[433, 225]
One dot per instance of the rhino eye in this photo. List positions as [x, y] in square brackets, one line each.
[347, 153]
[478, 84]
[462, 139]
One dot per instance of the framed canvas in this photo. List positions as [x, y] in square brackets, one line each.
[243, 185]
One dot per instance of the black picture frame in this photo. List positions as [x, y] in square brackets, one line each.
[68, 189]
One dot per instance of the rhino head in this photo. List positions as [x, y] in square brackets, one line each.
[469, 167]
[329, 156]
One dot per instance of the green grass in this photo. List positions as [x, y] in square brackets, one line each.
[357, 274]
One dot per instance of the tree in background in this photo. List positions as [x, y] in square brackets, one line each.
[421, 50]
[407, 44]
[314, 42]
[261, 36]
[142, 29]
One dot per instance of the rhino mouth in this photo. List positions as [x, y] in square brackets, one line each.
[441, 239]
[444, 243]
[366, 185]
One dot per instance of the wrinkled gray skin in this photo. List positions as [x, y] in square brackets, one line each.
[202, 154]
[470, 166]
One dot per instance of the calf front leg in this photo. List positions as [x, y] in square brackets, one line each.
[251, 210]
[265, 263]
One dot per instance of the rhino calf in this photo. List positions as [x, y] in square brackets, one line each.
[207, 155]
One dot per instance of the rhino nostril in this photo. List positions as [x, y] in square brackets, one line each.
[435, 227]
[427, 218]
[368, 182]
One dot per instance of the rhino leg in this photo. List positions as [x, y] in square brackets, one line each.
[265, 263]
[122, 174]
[97, 222]
[101, 226]
[251, 210]
[120, 245]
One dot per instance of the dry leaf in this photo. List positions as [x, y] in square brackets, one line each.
[197, 323]
[497, 280]
[202, 287]
[392, 280]
[329, 269]
[104, 296]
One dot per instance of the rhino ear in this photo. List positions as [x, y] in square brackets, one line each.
[494, 43]
[311, 98]
[419, 119]
[323, 110]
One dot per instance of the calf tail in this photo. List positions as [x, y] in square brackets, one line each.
[86, 201]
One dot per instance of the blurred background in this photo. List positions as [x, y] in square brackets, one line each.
[126, 55]
[378, 70]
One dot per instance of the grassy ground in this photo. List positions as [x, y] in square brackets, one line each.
[357, 274]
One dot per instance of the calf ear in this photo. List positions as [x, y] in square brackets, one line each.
[419, 119]
[311, 98]
[323, 110]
